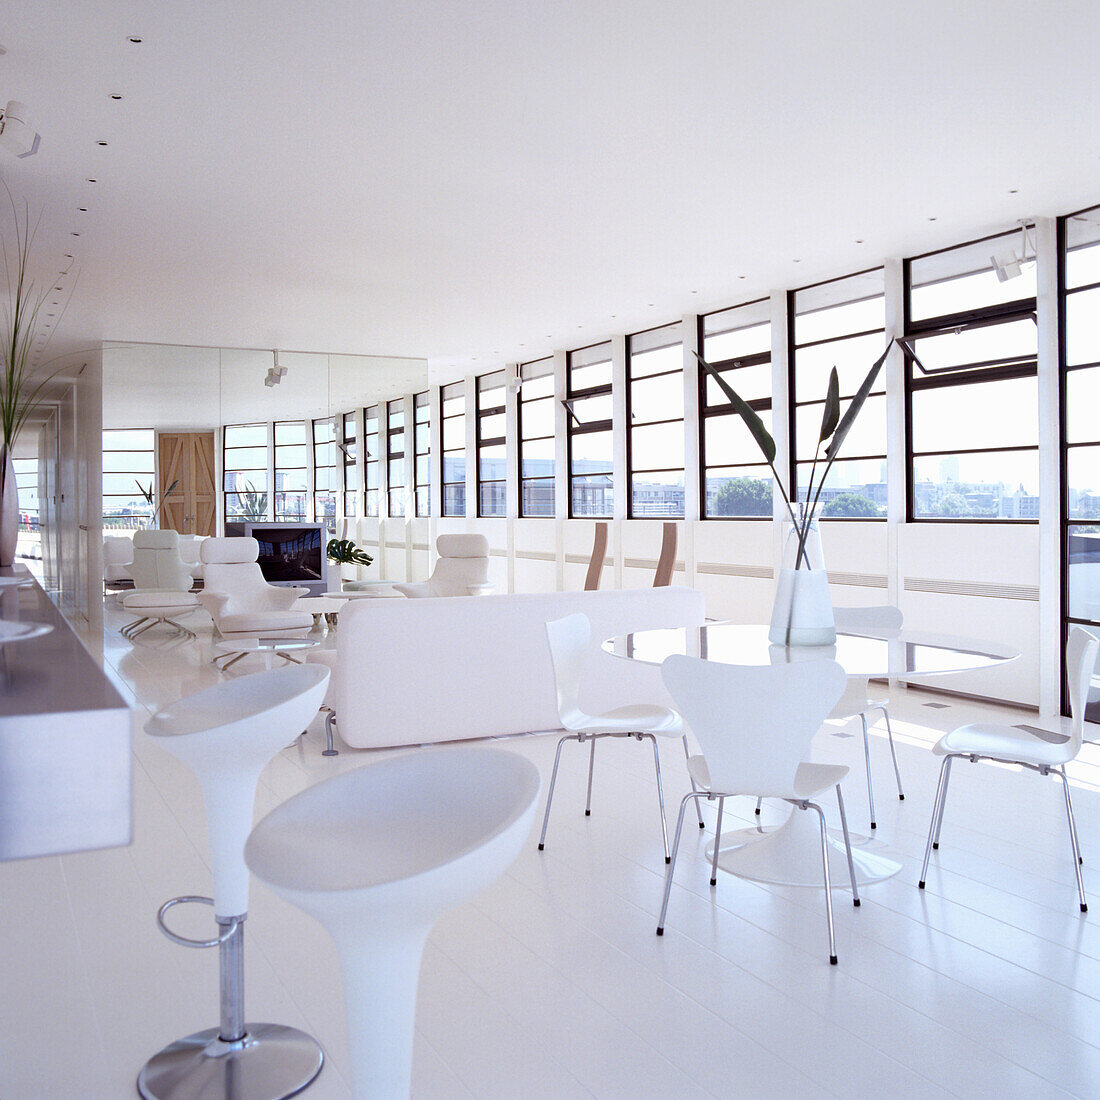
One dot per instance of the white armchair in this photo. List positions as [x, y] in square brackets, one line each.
[162, 583]
[462, 569]
[118, 552]
[241, 603]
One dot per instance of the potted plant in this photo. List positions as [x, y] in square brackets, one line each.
[803, 612]
[345, 552]
[22, 390]
[149, 496]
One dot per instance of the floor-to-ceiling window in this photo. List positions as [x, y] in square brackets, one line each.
[28, 542]
[536, 438]
[591, 448]
[244, 461]
[840, 323]
[491, 460]
[290, 470]
[324, 473]
[1079, 239]
[395, 456]
[737, 343]
[372, 445]
[422, 453]
[351, 469]
[655, 419]
[453, 435]
[971, 345]
[129, 479]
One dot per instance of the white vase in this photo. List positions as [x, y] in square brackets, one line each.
[803, 612]
[9, 516]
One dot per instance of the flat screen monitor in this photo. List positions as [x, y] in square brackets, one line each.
[290, 553]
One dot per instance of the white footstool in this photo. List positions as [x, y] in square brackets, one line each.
[152, 607]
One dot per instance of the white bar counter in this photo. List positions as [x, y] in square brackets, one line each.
[65, 782]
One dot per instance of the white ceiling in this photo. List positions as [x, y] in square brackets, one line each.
[482, 183]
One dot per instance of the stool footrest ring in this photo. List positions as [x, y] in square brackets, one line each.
[184, 941]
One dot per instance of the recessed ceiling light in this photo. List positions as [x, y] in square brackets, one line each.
[1013, 190]
[68, 255]
[740, 276]
[102, 144]
[931, 219]
[90, 179]
[859, 240]
[798, 261]
[134, 38]
[115, 96]
[82, 209]
[74, 234]
[57, 288]
[695, 292]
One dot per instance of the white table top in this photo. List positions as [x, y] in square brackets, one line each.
[378, 590]
[266, 645]
[891, 653]
[318, 605]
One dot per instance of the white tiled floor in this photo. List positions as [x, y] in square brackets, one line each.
[553, 984]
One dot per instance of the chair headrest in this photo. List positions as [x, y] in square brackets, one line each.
[156, 540]
[229, 551]
[462, 546]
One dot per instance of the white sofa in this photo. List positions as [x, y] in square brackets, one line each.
[407, 672]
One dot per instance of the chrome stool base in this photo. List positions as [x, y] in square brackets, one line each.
[272, 1061]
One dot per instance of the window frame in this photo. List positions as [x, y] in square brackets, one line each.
[521, 404]
[349, 484]
[277, 469]
[458, 387]
[317, 492]
[103, 497]
[422, 401]
[630, 426]
[372, 463]
[759, 404]
[793, 403]
[574, 428]
[481, 442]
[269, 442]
[396, 406]
[987, 316]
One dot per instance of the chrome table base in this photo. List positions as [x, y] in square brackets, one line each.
[272, 1061]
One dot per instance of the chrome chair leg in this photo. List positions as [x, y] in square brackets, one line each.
[893, 753]
[675, 848]
[591, 768]
[550, 792]
[717, 841]
[687, 756]
[933, 825]
[330, 718]
[943, 803]
[867, 759]
[1073, 839]
[759, 803]
[825, 871]
[848, 846]
[660, 793]
[150, 623]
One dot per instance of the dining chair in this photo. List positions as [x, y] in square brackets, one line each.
[754, 725]
[569, 643]
[856, 701]
[1044, 753]
[597, 558]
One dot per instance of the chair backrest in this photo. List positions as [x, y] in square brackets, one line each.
[157, 563]
[117, 552]
[753, 723]
[662, 578]
[230, 569]
[599, 556]
[1081, 651]
[863, 620]
[463, 561]
[568, 640]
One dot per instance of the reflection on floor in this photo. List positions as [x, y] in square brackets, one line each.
[553, 984]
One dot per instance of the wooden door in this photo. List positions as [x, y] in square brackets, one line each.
[188, 459]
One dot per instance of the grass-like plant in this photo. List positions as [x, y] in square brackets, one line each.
[834, 430]
[148, 496]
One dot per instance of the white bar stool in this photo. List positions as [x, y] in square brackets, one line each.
[227, 734]
[376, 855]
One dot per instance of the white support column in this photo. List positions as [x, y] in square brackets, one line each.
[780, 415]
[1050, 489]
[561, 469]
[270, 513]
[896, 472]
[471, 449]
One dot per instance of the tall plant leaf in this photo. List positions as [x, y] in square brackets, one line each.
[747, 413]
[831, 414]
[858, 402]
